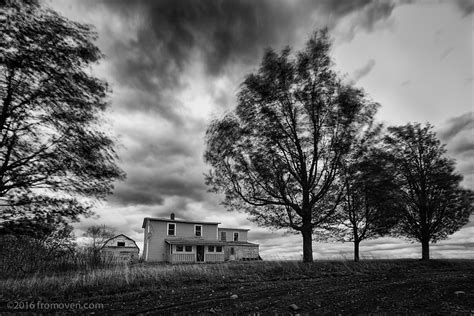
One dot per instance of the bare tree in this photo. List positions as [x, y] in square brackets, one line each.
[98, 234]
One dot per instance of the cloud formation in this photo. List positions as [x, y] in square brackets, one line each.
[153, 48]
[466, 6]
[457, 133]
[364, 71]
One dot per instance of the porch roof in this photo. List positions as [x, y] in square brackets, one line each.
[194, 241]
[206, 242]
[240, 243]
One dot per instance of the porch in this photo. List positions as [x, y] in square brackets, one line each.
[192, 257]
[194, 250]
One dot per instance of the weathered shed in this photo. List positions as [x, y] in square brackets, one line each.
[120, 248]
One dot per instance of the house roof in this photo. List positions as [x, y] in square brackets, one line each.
[241, 229]
[168, 220]
[105, 242]
[206, 242]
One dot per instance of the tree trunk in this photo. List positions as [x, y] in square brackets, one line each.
[356, 250]
[425, 249]
[307, 233]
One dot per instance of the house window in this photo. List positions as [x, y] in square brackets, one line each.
[218, 248]
[210, 249]
[179, 248]
[223, 236]
[120, 243]
[198, 230]
[232, 251]
[171, 229]
[189, 248]
[236, 236]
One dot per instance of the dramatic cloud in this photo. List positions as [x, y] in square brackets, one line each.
[456, 125]
[457, 133]
[169, 60]
[466, 6]
[364, 71]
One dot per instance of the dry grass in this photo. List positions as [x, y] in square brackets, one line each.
[121, 278]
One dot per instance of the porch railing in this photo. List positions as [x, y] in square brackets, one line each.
[183, 257]
[214, 257]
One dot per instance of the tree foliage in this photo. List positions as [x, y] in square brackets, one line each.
[434, 204]
[277, 155]
[54, 158]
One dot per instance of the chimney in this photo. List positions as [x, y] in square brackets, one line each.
[172, 216]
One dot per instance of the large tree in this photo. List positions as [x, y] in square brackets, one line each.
[277, 155]
[369, 204]
[54, 158]
[434, 204]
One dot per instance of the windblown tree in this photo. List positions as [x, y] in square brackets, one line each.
[434, 204]
[369, 206]
[277, 155]
[54, 159]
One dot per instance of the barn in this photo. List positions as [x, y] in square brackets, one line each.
[120, 248]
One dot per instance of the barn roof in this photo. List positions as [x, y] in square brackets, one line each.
[105, 242]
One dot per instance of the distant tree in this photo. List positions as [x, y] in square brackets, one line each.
[369, 206]
[277, 155]
[54, 158]
[434, 204]
[98, 234]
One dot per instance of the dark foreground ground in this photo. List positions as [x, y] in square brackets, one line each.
[402, 286]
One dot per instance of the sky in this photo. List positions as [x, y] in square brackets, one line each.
[173, 66]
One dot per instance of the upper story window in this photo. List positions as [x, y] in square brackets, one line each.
[223, 236]
[120, 243]
[236, 236]
[198, 230]
[171, 229]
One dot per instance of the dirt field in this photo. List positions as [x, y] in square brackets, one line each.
[403, 287]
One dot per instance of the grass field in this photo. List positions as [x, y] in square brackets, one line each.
[261, 287]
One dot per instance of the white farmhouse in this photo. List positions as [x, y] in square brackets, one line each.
[177, 241]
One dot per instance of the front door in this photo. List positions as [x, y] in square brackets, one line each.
[200, 253]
